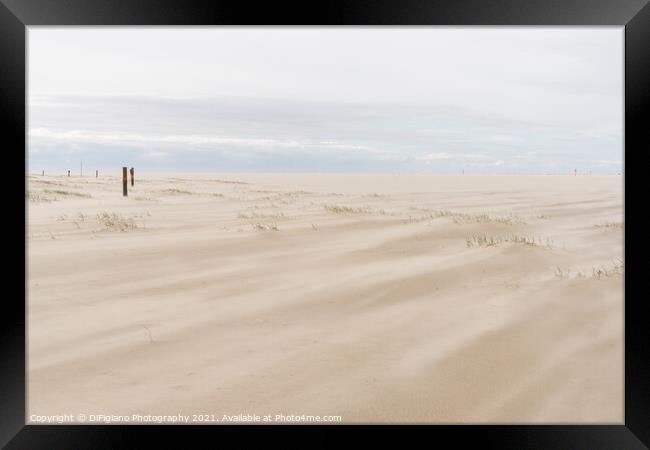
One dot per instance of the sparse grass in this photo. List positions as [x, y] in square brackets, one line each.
[228, 181]
[597, 273]
[51, 183]
[175, 191]
[115, 222]
[280, 193]
[602, 272]
[561, 273]
[610, 225]
[62, 193]
[338, 209]
[36, 197]
[460, 218]
[297, 193]
[148, 331]
[50, 195]
[80, 217]
[255, 215]
[494, 241]
[142, 214]
[265, 226]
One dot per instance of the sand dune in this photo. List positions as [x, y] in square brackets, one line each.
[382, 299]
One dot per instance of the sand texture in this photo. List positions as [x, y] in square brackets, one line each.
[383, 299]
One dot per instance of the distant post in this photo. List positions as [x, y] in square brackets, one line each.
[96, 173]
[43, 172]
[132, 176]
[68, 173]
[124, 181]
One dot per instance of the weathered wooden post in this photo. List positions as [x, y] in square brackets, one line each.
[68, 173]
[96, 173]
[124, 181]
[132, 176]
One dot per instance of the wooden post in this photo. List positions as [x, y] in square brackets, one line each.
[68, 173]
[96, 173]
[124, 181]
[132, 176]
[43, 172]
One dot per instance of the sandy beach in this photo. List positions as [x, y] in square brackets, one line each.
[379, 298]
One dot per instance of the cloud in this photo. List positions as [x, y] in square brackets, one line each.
[608, 162]
[200, 142]
[389, 136]
[155, 155]
[434, 157]
[354, 99]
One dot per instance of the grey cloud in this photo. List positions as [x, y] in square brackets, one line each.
[312, 134]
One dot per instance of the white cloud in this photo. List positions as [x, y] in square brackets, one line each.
[155, 155]
[608, 162]
[434, 157]
[194, 140]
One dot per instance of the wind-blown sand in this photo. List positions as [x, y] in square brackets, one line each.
[383, 299]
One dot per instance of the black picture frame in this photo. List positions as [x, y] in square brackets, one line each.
[634, 15]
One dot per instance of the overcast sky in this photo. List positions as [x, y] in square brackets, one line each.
[356, 99]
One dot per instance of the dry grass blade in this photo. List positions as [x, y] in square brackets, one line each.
[115, 222]
[493, 241]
